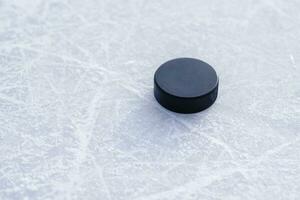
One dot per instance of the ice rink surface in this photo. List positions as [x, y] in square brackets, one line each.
[79, 120]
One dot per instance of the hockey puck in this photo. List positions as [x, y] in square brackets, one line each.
[186, 85]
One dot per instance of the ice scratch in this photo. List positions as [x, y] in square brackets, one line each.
[293, 61]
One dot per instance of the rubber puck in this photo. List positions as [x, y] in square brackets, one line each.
[186, 85]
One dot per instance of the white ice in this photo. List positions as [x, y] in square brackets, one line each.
[78, 119]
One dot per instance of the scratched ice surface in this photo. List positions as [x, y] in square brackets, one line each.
[79, 121]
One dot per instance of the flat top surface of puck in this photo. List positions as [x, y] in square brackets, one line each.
[186, 77]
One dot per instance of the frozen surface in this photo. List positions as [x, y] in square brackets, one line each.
[79, 121]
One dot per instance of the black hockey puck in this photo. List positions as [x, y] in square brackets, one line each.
[186, 85]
